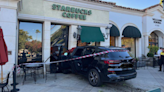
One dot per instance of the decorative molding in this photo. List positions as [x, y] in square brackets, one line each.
[10, 4]
[8, 7]
[125, 11]
[148, 14]
[84, 4]
[130, 24]
[55, 20]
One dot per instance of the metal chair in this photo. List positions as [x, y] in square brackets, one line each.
[141, 62]
[2, 85]
[148, 63]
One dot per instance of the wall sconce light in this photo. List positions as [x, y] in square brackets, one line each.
[107, 31]
[77, 35]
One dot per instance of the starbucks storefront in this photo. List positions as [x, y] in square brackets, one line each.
[54, 23]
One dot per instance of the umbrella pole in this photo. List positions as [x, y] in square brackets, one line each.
[1, 74]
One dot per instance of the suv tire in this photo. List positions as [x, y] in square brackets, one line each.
[94, 78]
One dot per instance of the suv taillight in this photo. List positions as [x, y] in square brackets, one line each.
[112, 61]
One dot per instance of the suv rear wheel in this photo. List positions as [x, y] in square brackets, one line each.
[94, 78]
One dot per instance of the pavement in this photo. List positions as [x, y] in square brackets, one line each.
[148, 78]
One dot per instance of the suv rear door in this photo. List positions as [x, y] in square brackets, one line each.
[78, 62]
[87, 61]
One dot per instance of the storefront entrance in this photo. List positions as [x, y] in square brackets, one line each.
[114, 33]
[130, 44]
[59, 37]
[112, 41]
[153, 39]
[130, 34]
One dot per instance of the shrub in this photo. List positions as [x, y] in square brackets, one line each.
[153, 49]
[150, 54]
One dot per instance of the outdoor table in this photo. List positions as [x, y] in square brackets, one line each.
[31, 67]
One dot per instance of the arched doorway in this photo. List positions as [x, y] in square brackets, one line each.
[156, 38]
[153, 39]
[130, 36]
[114, 33]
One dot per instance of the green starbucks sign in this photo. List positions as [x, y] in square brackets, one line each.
[71, 12]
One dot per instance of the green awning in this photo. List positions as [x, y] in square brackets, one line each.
[131, 32]
[91, 34]
[114, 31]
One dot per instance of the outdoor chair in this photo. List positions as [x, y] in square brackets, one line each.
[3, 85]
[148, 62]
[141, 62]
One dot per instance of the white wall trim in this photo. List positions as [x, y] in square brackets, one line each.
[56, 20]
[114, 24]
[8, 7]
[84, 4]
[157, 8]
[125, 11]
[129, 24]
[155, 29]
[148, 14]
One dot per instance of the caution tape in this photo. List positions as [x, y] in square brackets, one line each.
[86, 56]
[81, 57]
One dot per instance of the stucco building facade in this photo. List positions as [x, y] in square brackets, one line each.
[57, 22]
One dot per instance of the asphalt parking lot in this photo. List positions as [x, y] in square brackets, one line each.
[147, 79]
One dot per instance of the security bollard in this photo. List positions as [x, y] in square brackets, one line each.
[14, 81]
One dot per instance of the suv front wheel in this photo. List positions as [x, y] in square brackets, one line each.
[94, 78]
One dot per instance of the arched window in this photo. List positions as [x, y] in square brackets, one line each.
[153, 39]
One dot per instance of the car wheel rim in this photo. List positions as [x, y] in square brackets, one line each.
[93, 77]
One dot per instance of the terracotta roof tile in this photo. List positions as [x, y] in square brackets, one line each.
[152, 7]
[103, 2]
[128, 8]
[114, 4]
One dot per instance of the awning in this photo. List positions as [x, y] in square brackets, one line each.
[131, 32]
[91, 34]
[114, 31]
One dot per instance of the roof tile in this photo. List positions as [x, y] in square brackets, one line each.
[114, 4]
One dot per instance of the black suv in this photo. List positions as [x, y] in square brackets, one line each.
[111, 67]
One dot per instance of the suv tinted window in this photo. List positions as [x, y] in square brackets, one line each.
[117, 55]
[78, 52]
[88, 51]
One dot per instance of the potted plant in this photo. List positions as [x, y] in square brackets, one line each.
[153, 49]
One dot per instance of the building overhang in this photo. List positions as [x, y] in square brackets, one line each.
[10, 4]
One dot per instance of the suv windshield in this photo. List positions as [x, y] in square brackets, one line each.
[117, 55]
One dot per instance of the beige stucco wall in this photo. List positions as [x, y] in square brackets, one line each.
[44, 8]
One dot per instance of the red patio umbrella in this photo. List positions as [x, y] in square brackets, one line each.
[3, 52]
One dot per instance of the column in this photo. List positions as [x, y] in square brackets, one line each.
[106, 41]
[138, 47]
[146, 44]
[8, 23]
[160, 41]
[118, 41]
[46, 41]
[72, 42]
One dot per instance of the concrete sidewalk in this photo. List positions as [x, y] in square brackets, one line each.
[147, 79]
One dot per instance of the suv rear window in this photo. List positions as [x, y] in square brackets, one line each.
[117, 55]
